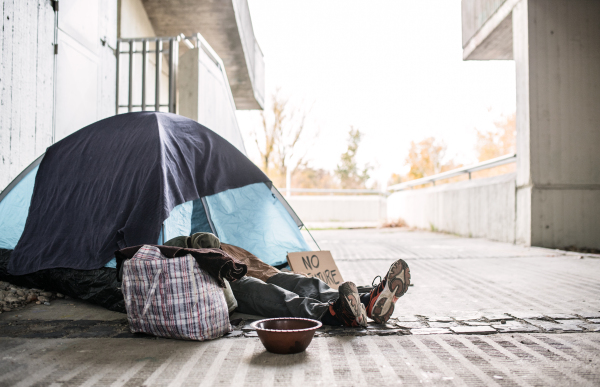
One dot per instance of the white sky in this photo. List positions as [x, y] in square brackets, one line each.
[393, 69]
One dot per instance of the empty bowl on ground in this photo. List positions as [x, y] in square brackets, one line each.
[286, 335]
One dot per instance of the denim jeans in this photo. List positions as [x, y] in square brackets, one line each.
[283, 295]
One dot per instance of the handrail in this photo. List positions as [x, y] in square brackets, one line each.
[495, 162]
[338, 191]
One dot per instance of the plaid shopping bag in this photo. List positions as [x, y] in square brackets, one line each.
[172, 297]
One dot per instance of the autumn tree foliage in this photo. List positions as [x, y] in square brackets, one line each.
[309, 177]
[428, 157]
[499, 141]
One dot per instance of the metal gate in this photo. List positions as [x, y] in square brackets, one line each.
[142, 81]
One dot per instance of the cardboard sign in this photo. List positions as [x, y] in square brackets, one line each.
[318, 264]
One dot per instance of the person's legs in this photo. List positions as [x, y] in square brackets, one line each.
[270, 300]
[344, 305]
[303, 286]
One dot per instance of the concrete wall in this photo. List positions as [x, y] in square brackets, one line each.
[227, 26]
[133, 20]
[205, 95]
[26, 83]
[38, 107]
[85, 64]
[337, 208]
[487, 29]
[475, 13]
[475, 208]
[557, 55]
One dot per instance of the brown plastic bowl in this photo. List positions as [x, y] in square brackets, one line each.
[286, 335]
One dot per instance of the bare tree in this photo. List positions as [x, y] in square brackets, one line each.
[282, 130]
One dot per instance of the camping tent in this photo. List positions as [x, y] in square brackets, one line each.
[140, 178]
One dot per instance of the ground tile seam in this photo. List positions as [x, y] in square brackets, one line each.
[242, 328]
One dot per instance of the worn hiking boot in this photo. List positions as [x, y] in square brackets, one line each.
[384, 296]
[347, 308]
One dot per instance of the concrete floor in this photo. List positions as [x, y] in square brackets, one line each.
[457, 282]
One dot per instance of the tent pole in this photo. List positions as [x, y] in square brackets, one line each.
[306, 228]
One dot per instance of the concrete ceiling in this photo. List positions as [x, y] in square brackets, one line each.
[216, 21]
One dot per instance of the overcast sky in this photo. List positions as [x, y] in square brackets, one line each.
[393, 69]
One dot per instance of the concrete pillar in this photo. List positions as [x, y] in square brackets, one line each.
[188, 85]
[205, 95]
[556, 47]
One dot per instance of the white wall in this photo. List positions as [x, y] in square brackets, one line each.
[133, 20]
[85, 66]
[475, 208]
[205, 96]
[338, 208]
[31, 116]
[26, 83]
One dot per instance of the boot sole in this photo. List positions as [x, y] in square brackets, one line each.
[398, 280]
[350, 295]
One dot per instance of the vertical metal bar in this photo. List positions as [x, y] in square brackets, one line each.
[144, 60]
[159, 47]
[54, 75]
[171, 75]
[175, 68]
[469, 175]
[118, 68]
[130, 104]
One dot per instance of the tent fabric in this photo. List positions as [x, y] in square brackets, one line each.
[185, 219]
[200, 221]
[252, 218]
[97, 204]
[13, 211]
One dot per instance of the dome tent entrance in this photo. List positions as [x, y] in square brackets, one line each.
[120, 181]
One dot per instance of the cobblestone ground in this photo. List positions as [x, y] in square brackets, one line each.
[480, 313]
[465, 277]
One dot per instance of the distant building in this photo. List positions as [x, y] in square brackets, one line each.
[59, 67]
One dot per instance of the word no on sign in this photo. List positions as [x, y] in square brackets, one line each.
[318, 264]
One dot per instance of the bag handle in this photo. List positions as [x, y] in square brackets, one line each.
[195, 295]
[149, 298]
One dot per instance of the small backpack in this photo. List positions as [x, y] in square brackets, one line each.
[173, 297]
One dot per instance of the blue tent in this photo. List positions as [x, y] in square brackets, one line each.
[140, 178]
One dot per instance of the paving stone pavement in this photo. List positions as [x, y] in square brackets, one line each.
[442, 359]
[467, 278]
[480, 313]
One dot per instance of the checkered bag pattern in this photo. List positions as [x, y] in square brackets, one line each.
[173, 297]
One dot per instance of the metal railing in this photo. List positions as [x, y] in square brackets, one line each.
[333, 191]
[496, 162]
[139, 48]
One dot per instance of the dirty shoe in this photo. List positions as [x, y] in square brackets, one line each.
[347, 308]
[384, 296]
